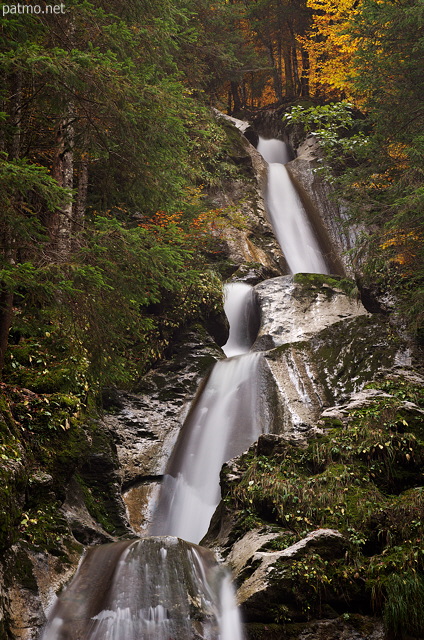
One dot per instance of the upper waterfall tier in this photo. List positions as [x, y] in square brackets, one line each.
[273, 150]
[288, 216]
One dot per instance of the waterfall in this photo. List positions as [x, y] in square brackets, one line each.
[287, 214]
[149, 589]
[165, 586]
[223, 422]
[241, 312]
[273, 150]
[143, 590]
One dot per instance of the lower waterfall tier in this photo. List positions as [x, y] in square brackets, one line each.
[150, 589]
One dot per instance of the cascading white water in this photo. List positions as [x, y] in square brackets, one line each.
[149, 589]
[287, 213]
[223, 422]
[143, 590]
[273, 150]
[240, 309]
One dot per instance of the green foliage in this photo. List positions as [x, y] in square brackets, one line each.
[45, 528]
[145, 281]
[364, 479]
[333, 117]
[115, 84]
[403, 604]
[337, 131]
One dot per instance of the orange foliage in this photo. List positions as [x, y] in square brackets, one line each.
[403, 245]
[330, 47]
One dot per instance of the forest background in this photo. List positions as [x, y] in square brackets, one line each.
[109, 150]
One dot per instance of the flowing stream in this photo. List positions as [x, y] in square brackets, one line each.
[287, 214]
[165, 586]
[148, 589]
[226, 417]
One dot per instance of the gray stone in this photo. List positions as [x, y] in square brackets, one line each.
[146, 426]
[291, 312]
[265, 575]
[82, 524]
[248, 236]
[318, 197]
[348, 627]
[362, 399]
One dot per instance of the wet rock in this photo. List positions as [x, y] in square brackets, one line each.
[267, 579]
[251, 273]
[317, 195]
[111, 399]
[146, 427]
[148, 423]
[248, 236]
[4, 606]
[321, 346]
[82, 524]
[354, 627]
[270, 444]
[33, 578]
[294, 308]
[363, 398]
[245, 549]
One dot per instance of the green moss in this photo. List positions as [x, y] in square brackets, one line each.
[46, 529]
[364, 479]
[44, 440]
[349, 364]
[313, 283]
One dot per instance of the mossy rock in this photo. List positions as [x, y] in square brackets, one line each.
[363, 478]
[351, 352]
[313, 283]
[100, 482]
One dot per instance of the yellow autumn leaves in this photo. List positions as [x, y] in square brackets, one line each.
[330, 46]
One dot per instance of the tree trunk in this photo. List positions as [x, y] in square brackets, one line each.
[288, 70]
[304, 80]
[6, 315]
[16, 113]
[81, 198]
[296, 77]
[236, 96]
[276, 74]
[63, 172]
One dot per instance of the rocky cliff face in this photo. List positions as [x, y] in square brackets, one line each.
[329, 213]
[298, 521]
[320, 517]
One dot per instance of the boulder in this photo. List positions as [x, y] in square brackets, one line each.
[295, 308]
[265, 578]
